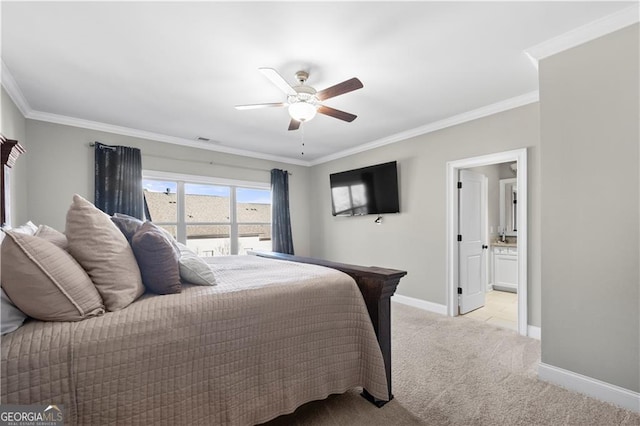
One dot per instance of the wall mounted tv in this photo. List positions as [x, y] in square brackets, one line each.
[369, 190]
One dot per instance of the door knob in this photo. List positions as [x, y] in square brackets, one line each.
[484, 246]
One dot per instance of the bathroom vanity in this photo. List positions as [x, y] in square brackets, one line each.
[504, 266]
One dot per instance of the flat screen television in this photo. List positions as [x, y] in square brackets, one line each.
[369, 190]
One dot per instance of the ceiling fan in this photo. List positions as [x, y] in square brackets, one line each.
[304, 101]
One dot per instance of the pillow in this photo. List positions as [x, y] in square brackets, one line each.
[99, 246]
[174, 243]
[28, 228]
[157, 260]
[12, 317]
[53, 236]
[193, 269]
[45, 282]
[129, 225]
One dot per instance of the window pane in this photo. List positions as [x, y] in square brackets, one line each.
[254, 237]
[254, 205]
[206, 203]
[161, 199]
[209, 240]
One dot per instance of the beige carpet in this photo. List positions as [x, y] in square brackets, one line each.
[458, 371]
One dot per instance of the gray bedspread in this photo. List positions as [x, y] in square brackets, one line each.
[270, 337]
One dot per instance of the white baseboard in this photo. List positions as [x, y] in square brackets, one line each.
[534, 332]
[589, 386]
[421, 304]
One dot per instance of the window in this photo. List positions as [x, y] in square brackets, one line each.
[213, 217]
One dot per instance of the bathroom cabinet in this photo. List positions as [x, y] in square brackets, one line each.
[505, 268]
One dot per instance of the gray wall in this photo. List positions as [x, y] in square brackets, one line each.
[13, 126]
[414, 239]
[60, 164]
[590, 219]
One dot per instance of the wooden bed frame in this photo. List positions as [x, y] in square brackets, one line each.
[377, 285]
[10, 150]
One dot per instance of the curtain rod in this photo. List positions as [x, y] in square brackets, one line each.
[259, 169]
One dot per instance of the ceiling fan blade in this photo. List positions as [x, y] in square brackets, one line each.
[340, 89]
[294, 124]
[336, 113]
[258, 106]
[277, 79]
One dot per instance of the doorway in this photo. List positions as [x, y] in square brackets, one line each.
[453, 228]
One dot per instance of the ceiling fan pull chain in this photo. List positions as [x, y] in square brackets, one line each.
[302, 135]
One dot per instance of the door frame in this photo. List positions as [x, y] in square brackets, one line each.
[520, 157]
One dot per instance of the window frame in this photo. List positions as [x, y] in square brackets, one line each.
[181, 225]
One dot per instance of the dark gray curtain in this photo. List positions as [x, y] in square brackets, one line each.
[281, 238]
[118, 180]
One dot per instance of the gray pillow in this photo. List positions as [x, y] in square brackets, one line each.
[173, 241]
[99, 246]
[128, 225]
[12, 317]
[193, 269]
[45, 282]
[157, 260]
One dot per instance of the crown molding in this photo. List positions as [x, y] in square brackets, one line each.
[143, 134]
[591, 31]
[485, 111]
[13, 90]
[518, 101]
[157, 137]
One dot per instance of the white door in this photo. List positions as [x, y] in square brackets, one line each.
[472, 240]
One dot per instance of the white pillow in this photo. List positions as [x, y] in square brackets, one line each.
[193, 269]
[12, 317]
[28, 228]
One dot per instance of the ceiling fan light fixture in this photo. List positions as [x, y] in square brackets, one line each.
[302, 111]
[303, 101]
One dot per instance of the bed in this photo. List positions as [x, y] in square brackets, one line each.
[276, 332]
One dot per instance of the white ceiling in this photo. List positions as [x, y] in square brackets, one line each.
[176, 70]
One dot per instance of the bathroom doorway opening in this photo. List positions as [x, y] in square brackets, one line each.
[498, 245]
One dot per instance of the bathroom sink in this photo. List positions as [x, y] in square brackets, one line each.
[505, 243]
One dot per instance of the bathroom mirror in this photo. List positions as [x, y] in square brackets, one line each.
[509, 206]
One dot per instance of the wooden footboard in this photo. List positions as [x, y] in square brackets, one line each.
[377, 285]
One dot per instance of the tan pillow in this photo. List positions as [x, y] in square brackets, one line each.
[45, 282]
[53, 236]
[99, 246]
